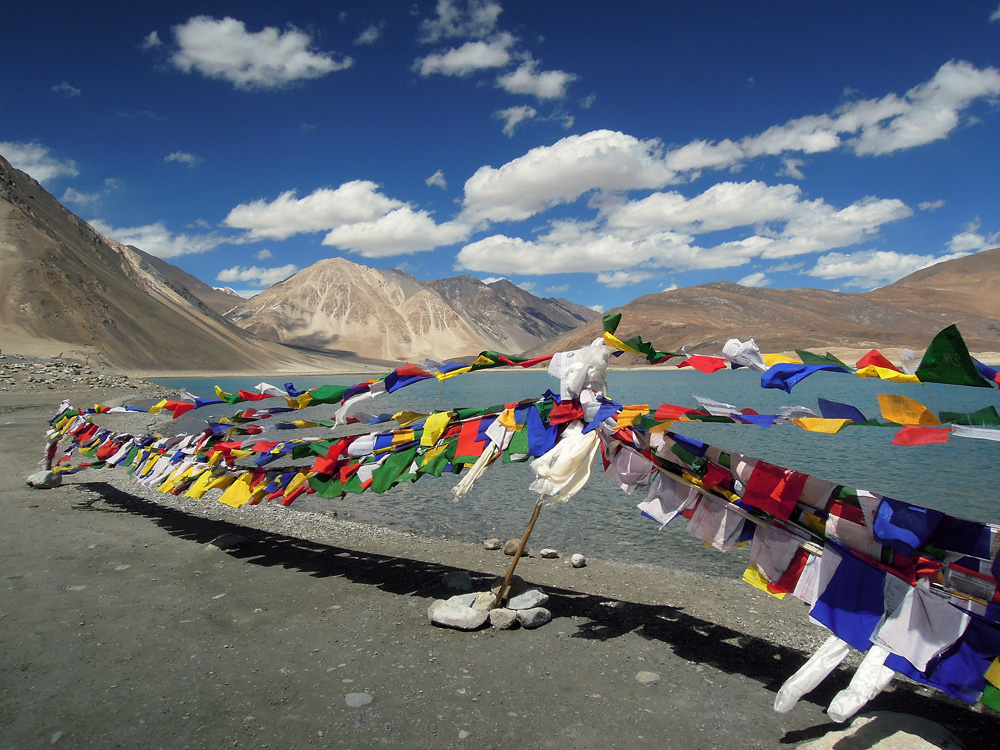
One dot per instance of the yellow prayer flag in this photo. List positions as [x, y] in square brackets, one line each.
[752, 576]
[993, 673]
[629, 415]
[506, 419]
[434, 427]
[616, 343]
[816, 424]
[884, 373]
[903, 410]
[770, 360]
[200, 485]
[300, 402]
[238, 493]
[295, 482]
[406, 418]
[402, 436]
[157, 408]
[453, 373]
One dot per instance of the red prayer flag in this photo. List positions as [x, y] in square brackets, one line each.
[705, 364]
[774, 490]
[875, 357]
[669, 411]
[920, 435]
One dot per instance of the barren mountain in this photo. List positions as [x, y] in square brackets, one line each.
[389, 314]
[65, 287]
[905, 314]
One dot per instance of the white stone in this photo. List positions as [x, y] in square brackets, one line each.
[357, 700]
[534, 617]
[458, 580]
[647, 678]
[578, 560]
[456, 616]
[493, 543]
[44, 480]
[510, 547]
[885, 730]
[463, 600]
[529, 599]
[549, 554]
[483, 600]
[503, 618]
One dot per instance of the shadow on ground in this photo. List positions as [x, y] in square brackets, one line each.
[599, 617]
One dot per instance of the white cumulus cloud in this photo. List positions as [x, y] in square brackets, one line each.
[265, 59]
[256, 275]
[871, 268]
[526, 79]
[321, 210]
[400, 232]
[514, 116]
[437, 180]
[157, 240]
[35, 159]
[473, 19]
[183, 157]
[549, 175]
[754, 279]
[468, 58]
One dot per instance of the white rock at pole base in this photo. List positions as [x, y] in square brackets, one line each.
[549, 554]
[493, 543]
[456, 616]
[578, 561]
[503, 618]
[528, 600]
[534, 617]
[886, 730]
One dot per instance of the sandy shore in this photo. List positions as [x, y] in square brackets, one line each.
[121, 625]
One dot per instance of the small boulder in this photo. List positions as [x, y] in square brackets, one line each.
[578, 561]
[456, 616]
[549, 554]
[517, 586]
[534, 617]
[463, 600]
[528, 600]
[458, 580]
[44, 480]
[510, 547]
[483, 600]
[493, 543]
[502, 618]
[647, 678]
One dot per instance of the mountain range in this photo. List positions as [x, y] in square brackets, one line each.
[65, 287]
[905, 314]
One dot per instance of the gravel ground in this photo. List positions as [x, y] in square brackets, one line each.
[122, 624]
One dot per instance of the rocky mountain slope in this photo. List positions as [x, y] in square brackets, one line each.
[65, 287]
[337, 304]
[905, 314]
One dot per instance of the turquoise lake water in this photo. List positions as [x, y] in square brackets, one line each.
[961, 477]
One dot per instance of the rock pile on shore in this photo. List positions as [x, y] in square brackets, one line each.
[22, 373]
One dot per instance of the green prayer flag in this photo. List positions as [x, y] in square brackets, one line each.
[986, 416]
[391, 469]
[947, 360]
[808, 358]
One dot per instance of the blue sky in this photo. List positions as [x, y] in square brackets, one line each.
[589, 150]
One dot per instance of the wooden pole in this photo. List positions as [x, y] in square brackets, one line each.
[517, 556]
